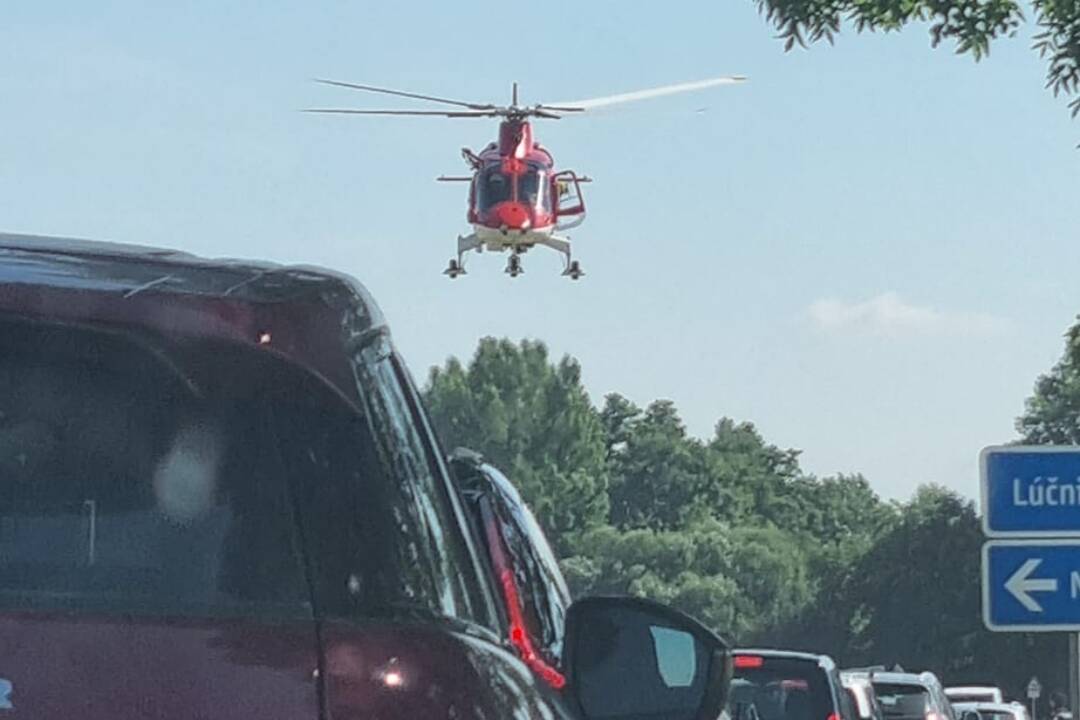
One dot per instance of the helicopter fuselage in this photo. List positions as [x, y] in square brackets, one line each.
[513, 191]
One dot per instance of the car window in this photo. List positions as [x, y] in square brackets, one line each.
[768, 688]
[438, 543]
[127, 490]
[903, 701]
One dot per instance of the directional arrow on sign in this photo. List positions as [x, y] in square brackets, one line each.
[1021, 583]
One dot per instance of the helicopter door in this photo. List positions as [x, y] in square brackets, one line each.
[566, 189]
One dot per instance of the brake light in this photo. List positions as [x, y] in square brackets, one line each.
[519, 638]
[833, 716]
[743, 662]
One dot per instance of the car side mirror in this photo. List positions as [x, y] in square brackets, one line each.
[629, 658]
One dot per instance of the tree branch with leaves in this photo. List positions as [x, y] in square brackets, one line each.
[970, 24]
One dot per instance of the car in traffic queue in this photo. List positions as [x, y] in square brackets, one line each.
[223, 498]
[990, 711]
[770, 684]
[863, 697]
[974, 694]
[911, 696]
[533, 596]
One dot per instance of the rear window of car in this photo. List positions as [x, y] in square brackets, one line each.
[199, 480]
[903, 700]
[765, 688]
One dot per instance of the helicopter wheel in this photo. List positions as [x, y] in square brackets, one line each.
[573, 270]
[513, 267]
[454, 269]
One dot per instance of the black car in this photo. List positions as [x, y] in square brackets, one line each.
[784, 685]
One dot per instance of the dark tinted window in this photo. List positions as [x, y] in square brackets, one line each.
[202, 480]
[121, 488]
[903, 701]
[767, 688]
[436, 549]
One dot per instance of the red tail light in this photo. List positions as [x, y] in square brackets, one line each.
[833, 716]
[744, 662]
[519, 638]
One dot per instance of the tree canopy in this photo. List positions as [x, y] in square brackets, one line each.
[730, 528]
[1053, 412]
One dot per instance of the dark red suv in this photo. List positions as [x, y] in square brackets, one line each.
[220, 497]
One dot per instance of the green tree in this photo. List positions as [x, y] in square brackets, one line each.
[754, 475]
[533, 419]
[917, 588]
[770, 568]
[1052, 415]
[970, 24]
[656, 468]
[839, 510]
[684, 568]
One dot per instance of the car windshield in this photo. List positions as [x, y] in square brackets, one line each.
[903, 701]
[780, 689]
[130, 485]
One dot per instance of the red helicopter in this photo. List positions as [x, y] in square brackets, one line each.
[517, 199]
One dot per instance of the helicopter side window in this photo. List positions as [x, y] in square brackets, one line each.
[494, 187]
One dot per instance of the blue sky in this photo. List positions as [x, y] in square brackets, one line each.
[869, 250]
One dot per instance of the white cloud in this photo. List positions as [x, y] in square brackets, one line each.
[889, 314]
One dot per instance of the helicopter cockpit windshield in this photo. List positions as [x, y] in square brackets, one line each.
[494, 187]
[533, 190]
[528, 186]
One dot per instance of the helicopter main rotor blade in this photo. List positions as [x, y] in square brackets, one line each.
[578, 106]
[400, 93]
[430, 113]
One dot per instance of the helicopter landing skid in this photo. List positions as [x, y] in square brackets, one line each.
[572, 268]
[562, 245]
[464, 245]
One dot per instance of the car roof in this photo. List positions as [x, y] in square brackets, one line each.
[971, 689]
[822, 660]
[310, 315]
[494, 476]
[90, 264]
[902, 678]
[993, 707]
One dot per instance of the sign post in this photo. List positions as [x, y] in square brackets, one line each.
[1031, 565]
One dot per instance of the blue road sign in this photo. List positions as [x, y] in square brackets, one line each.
[1031, 491]
[1031, 585]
